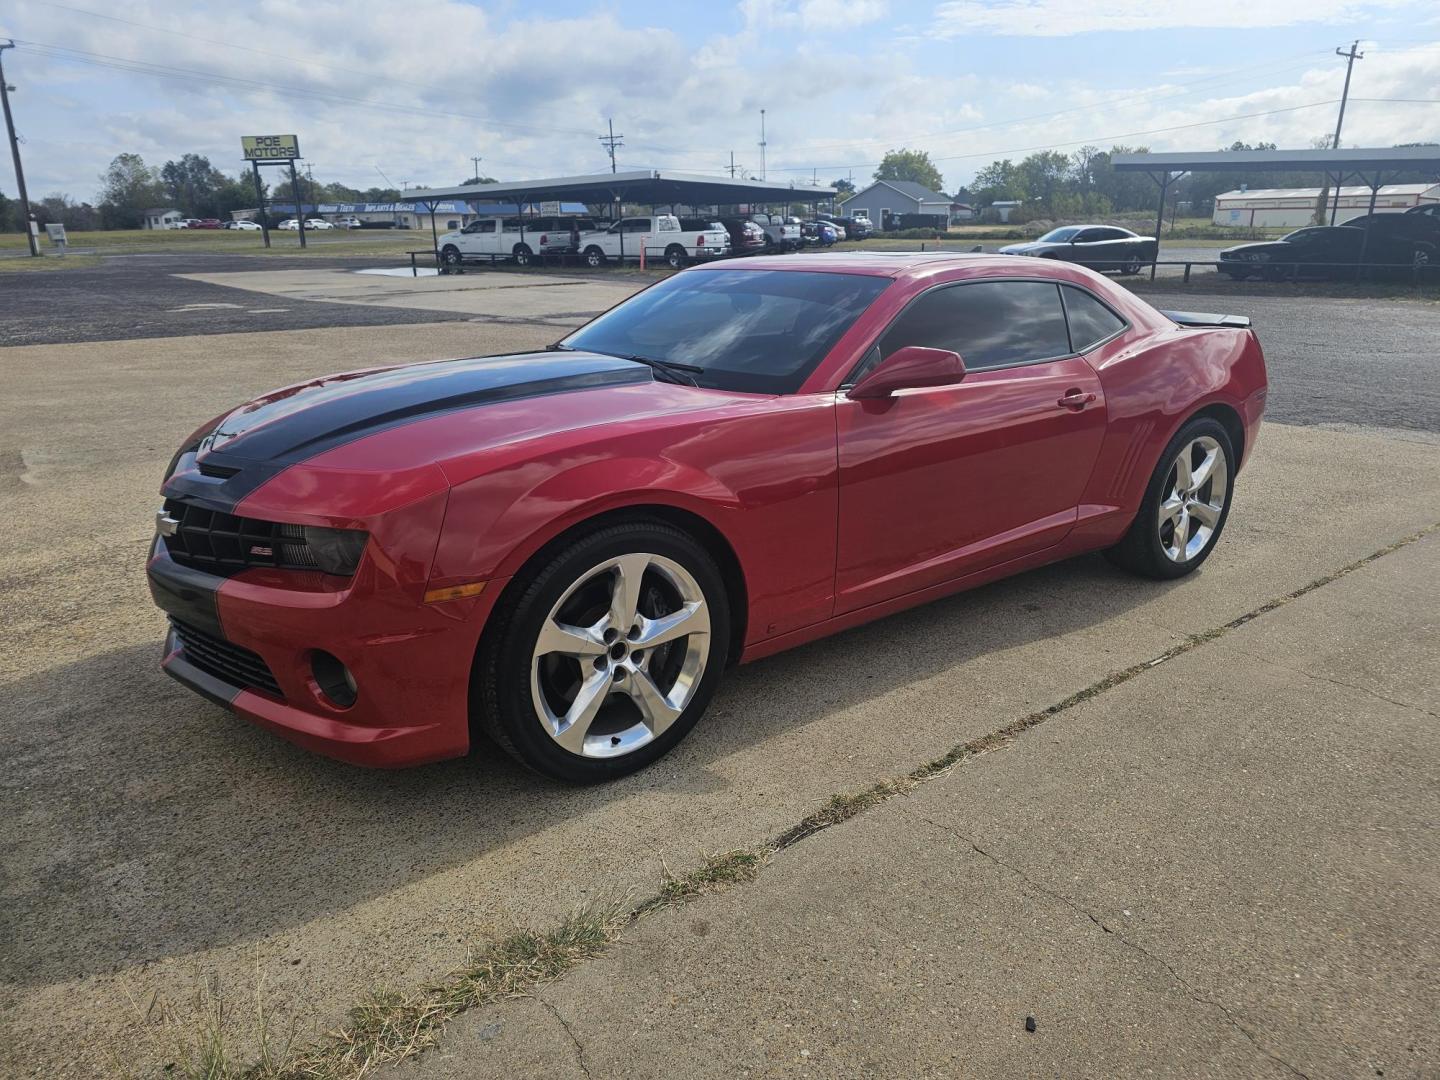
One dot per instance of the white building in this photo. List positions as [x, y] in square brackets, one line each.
[1295, 207]
[159, 218]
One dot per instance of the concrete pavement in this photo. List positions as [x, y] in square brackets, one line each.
[1228, 866]
[153, 840]
[569, 300]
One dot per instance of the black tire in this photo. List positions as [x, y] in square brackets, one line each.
[1131, 266]
[501, 703]
[769, 243]
[675, 257]
[523, 255]
[1141, 551]
[450, 255]
[593, 256]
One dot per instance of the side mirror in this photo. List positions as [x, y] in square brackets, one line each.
[910, 367]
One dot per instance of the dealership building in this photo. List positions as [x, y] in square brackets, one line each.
[1295, 207]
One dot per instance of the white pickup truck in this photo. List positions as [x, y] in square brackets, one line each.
[780, 233]
[521, 241]
[662, 238]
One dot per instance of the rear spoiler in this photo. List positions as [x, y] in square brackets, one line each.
[1196, 318]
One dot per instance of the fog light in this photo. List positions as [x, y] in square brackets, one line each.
[334, 679]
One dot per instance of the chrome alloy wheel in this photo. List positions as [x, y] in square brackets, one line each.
[620, 655]
[1195, 498]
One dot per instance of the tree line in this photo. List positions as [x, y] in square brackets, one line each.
[1048, 185]
[1085, 184]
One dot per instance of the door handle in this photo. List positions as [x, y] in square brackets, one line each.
[1075, 399]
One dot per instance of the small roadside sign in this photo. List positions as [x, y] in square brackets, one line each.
[270, 147]
[550, 208]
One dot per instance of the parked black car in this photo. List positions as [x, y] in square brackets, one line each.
[746, 238]
[1323, 251]
[1100, 247]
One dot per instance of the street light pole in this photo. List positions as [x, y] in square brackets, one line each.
[5, 89]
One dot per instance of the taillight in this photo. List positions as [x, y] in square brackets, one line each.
[699, 241]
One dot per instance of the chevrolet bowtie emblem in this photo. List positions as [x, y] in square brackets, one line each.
[166, 525]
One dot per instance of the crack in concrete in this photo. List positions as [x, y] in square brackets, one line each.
[1186, 987]
[579, 1048]
[1407, 705]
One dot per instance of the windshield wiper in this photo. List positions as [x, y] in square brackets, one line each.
[672, 370]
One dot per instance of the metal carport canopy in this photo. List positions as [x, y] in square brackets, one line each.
[1391, 158]
[651, 187]
[1339, 164]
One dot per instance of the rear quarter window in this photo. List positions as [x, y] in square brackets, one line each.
[1091, 322]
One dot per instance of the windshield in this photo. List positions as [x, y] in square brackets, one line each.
[755, 331]
[1059, 236]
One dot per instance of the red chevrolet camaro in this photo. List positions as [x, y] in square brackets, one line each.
[564, 549]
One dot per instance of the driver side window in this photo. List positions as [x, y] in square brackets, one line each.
[990, 324]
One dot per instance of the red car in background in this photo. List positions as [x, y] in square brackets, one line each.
[565, 549]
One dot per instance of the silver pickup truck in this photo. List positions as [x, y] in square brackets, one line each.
[780, 234]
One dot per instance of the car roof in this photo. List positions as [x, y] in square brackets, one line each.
[874, 263]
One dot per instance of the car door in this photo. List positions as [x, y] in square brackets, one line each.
[471, 240]
[939, 482]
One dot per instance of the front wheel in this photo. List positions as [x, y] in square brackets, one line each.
[607, 656]
[675, 257]
[594, 257]
[1186, 504]
[450, 255]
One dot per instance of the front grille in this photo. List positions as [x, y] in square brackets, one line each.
[223, 543]
[224, 659]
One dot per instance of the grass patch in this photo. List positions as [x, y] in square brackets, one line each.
[717, 872]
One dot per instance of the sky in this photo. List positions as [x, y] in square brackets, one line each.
[389, 94]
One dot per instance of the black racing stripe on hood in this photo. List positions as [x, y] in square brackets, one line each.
[259, 440]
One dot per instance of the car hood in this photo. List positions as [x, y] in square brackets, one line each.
[311, 421]
[1030, 248]
[301, 421]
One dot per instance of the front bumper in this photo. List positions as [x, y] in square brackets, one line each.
[411, 661]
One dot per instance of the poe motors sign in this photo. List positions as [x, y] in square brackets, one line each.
[270, 147]
[269, 150]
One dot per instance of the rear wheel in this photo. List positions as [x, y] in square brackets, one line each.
[523, 255]
[1185, 506]
[608, 656]
[1131, 265]
[675, 257]
[594, 256]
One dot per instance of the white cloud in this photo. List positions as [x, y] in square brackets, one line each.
[417, 91]
[1060, 18]
[814, 15]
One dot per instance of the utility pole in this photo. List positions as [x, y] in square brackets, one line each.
[5, 89]
[732, 164]
[1351, 56]
[762, 145]
[611, 141]
[310, 176]
[475, 161]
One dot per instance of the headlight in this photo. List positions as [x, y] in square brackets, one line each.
[1260, 256]
[336, 551]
